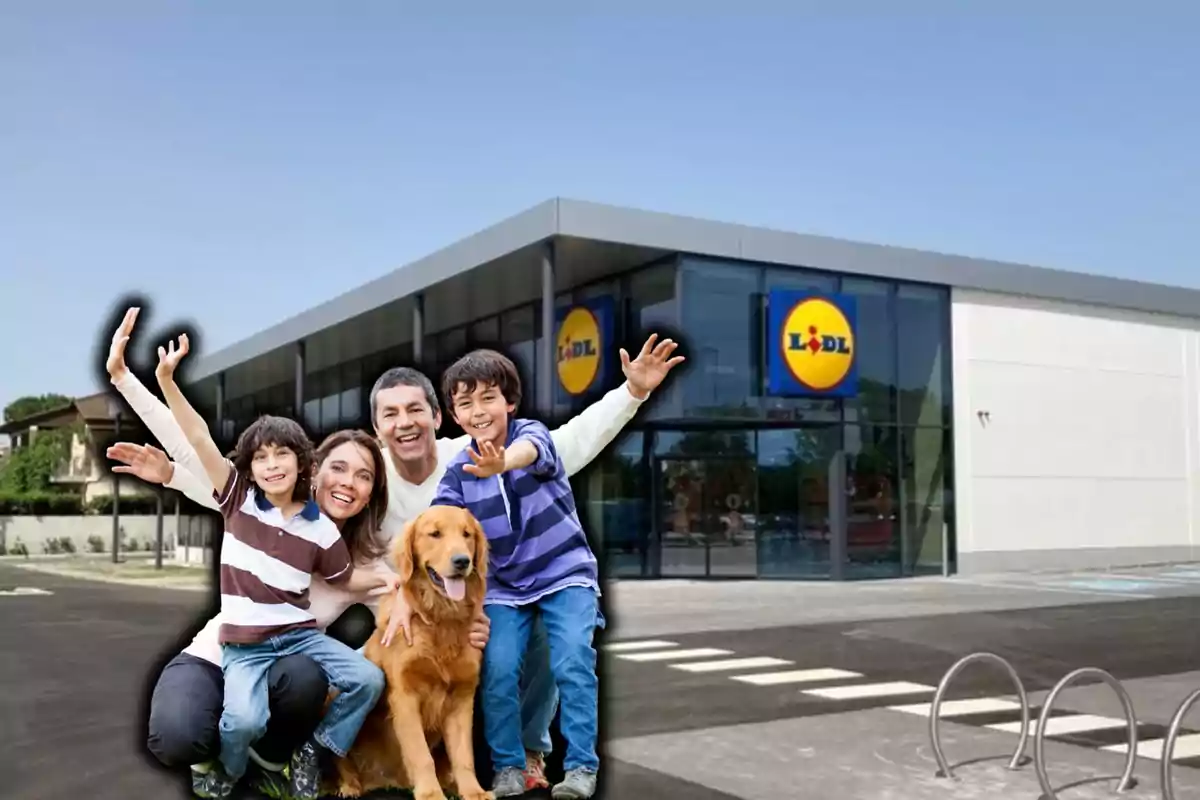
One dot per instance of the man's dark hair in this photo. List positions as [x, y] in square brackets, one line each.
[403, 376]
[281, 432]
[482, 366]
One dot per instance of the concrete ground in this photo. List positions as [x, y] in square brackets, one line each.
[709, 690]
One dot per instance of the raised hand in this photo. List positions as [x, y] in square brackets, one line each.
[116, 351]
[142, 461]
[488, 462]
[650, 368]
[168, 359]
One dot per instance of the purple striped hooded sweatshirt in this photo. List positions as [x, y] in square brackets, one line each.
[536, 542]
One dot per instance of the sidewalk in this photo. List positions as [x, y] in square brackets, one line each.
[134, 570]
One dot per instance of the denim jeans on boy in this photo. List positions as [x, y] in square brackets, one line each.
[539, 695]
[571, 616]
[358, 681]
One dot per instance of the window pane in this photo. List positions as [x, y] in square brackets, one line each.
[876, 343]
[614, 507]
[352, 413]
[719, 316]
[873, 546]
[452, 345]
[517, 337]
[922, 313]
[927, 478]
[653, 308]
[485, 333]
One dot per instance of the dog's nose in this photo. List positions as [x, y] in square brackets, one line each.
[460, 562]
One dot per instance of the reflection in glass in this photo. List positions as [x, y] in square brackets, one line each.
[653, 308]
[922, 316]
[518, 329]
[876, 343]
[719, 315]
[872, 503]
[926, 475]
[793, 501]
[613, 507]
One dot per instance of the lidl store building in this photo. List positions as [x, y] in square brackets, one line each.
[847, 411]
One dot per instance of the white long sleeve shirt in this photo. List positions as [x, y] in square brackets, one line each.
[578, 442]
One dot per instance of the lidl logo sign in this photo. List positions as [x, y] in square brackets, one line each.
[582, 346]
[811, 344]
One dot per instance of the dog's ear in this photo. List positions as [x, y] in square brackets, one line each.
[481, 545]
[404, 551]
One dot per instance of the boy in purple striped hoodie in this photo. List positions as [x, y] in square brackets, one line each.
[512, 480]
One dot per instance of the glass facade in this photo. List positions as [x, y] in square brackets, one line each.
[715, 478]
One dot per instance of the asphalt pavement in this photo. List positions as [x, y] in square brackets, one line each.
[710, 706]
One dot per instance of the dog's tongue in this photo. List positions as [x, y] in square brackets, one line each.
[456, 588]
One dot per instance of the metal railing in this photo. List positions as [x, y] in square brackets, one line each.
[1039, 753]
[1165, 776]
[934, 716]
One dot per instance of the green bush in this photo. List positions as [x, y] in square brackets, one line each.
[95, 544]
[129, 505]
[19, 549]
[52, 504]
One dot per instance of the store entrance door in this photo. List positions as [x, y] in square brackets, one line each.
[707, 517]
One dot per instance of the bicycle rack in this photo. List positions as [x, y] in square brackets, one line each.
[934, 731]
[1039, 737]
[1168, 753]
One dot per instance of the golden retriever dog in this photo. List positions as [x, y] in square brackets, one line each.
[428, 704]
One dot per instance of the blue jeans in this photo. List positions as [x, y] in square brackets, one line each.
[245, 666]
[570, 616]
[539, 695]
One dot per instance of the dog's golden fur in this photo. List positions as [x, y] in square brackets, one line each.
[428, 704]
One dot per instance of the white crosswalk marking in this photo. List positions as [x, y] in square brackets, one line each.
[958, 708]
[1059, 726]
[627, 647]
[1186, 746]
[753, 662]
[796, 676]
[676, 655]
[857, 691]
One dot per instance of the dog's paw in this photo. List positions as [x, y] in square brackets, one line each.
[479, 795]
[351, 788]
[429, 793]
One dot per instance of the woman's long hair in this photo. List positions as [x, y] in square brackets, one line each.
[361, 532]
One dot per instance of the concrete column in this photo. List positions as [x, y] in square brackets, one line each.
[547, 370]
[418, 328]
[299, 411]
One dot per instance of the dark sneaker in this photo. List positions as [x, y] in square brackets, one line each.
[509, 782]
[304, 772]
[577, 784]
[210, 781]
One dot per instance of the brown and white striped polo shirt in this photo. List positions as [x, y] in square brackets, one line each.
[267, 562]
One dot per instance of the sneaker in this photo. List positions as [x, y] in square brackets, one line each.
[210, 781]
[577, 784]
[535, 771]
[304, 772]
[510, 782]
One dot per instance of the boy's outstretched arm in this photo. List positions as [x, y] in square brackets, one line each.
[216, 466]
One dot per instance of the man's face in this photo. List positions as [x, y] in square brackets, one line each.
[483, 412]
[275, 469]
[405, 423]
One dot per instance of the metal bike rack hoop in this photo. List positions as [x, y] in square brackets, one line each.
[1039, 737]
[1168, 753]
[934, 734]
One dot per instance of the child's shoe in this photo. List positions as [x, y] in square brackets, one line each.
[509, 782]
[210, 781]
[535, 771]
[577, 784]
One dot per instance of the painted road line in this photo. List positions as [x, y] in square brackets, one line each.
[755, 662]
[796, 676]
[629, 647]
[861, 690]
[1186, 746]
[21, 591]
[1061, 726]
[958, 708]
[676, 655]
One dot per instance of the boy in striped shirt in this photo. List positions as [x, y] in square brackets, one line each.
[540, 562]
[275, 539]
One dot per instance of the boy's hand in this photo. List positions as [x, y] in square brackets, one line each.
[481, 629]
[651, 366]
[116, 351]
[487, 463]
[168, 360]
[144, 461]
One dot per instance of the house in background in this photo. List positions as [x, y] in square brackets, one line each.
[85, 467]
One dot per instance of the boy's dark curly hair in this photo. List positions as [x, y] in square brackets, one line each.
[281, 432]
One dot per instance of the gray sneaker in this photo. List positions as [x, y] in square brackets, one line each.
[509, 782]
[577, 784]
[210, 781]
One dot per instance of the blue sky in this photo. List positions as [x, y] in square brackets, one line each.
[239, 162]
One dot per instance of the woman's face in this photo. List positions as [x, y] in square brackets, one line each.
[344, 481]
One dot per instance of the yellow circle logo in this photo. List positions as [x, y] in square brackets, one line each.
[817, 344]
[578, 350]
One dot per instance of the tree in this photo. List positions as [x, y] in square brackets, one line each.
[30, 405]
